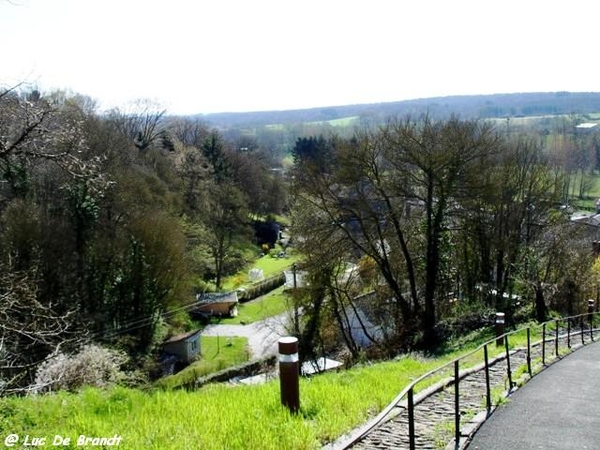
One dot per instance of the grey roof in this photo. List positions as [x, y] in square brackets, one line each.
[588, 219]
[182, 337]
[218, 297]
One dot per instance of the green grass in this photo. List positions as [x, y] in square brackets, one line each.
[341, 122]
[217, 416]
[270, 265]
[217, 353]
[271, 304]
[223, 416]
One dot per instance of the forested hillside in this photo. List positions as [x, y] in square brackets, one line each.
[109, 225]
[421, 226]
[421, 229]
[467, 107]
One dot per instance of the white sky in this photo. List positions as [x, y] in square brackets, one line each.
[202, 56]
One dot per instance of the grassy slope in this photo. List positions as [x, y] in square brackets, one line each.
[271, 304]
[270, 265]
[220, 416]
[217, 353]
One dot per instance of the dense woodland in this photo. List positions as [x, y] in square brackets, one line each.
[446, 222]
[110, 223]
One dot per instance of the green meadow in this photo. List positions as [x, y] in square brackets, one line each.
[217, 353]
[222, 416]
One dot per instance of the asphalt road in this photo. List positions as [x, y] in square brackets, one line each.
[559, 409]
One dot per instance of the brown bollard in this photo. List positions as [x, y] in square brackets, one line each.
[500, 328]
[289, 370]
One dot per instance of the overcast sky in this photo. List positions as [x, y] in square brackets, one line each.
[202, 56]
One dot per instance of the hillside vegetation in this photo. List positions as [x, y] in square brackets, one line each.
[223, 416]
[409, 233]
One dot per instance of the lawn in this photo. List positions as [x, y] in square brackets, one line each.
[271, 304]
[269, 264]
[217, 353]
[593, 193]
[223, 416]
[217, 416]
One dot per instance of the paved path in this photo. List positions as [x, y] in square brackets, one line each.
[557, 409]
[262, 336]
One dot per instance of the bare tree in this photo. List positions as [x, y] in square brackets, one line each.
[34, 131]
[143, 123]
[30, 331]
[191, 132]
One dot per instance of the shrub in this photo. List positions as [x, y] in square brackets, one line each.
[261, 287]
[92, 366]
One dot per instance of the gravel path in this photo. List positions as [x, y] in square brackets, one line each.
[262, 336]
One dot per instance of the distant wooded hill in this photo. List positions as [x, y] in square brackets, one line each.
[466, 106]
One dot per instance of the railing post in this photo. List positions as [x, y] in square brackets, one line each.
[529, 351]
[591, 305]
[556, 338]
[582, 326]
[544, 344]
[509, 371]
[569, 332]
[456, 407]
[411, 420]
[289, 369]
[488, 394]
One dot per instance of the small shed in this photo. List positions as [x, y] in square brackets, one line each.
[218, 304]
[368, 319]
[184, 346]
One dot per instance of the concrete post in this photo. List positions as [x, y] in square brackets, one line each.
[500, 329]
[289, 370]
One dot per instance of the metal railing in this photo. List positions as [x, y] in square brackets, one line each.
[552, 332]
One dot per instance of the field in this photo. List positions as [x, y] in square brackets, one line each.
[270, 265]
[271, 304]
[343, 122]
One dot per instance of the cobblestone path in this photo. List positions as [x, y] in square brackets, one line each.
[434, 415]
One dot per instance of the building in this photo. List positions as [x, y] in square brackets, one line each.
[586, 127]
[184, 346]
[368, 320]
[222, 304]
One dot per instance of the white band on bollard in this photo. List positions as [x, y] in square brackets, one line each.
[293, 358]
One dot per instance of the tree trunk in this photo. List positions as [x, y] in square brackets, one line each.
[540, 304]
